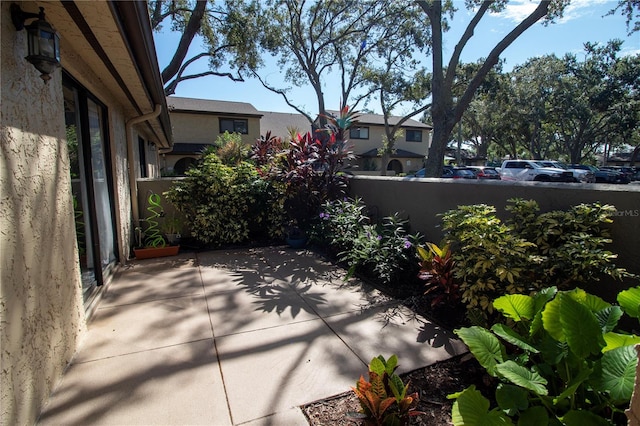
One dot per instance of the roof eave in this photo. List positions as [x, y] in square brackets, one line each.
[134, 19]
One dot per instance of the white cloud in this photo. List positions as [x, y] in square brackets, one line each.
[518, 10]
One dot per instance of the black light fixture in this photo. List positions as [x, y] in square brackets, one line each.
[43, 40]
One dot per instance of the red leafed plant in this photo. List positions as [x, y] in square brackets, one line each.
[436, 268]
[384, 398]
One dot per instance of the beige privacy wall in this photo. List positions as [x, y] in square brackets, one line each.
[41, 309]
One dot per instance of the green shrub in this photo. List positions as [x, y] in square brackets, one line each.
[386, 249]
[526, 253]
[224, 204]
[561, 363]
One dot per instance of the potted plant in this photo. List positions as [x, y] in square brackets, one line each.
[295, 236]
[171, 227]
[154, 243]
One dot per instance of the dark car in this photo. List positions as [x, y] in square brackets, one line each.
[451, 172]
[627, 171]
[604, 175]
[458, 173]
[485, 172]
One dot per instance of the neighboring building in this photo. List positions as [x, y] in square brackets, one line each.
[411, 148]
[71, 151]
[198, 123]
[281, 124]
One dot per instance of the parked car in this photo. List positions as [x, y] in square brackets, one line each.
[627, 171]
[451, 172]
[485, 172]
[604, 175]
[530, 170]
[579, 175]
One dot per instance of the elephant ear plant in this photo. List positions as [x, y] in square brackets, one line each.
[561, 362]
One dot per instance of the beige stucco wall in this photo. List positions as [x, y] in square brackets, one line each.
[375, 141]
[41, 308]
[205, 128]
[376, 133]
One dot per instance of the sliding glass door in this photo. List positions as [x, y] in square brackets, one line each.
[91, 185]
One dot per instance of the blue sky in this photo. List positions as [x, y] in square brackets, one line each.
[583, 21]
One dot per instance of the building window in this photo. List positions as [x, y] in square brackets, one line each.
[414, 135]
[234, 126]
[359, 133]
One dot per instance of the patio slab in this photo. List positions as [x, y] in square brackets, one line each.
[242, 337]
[388, 330]
[274, 369]
[155, 280]
[248, 309]
[178, 385]
[134, 328]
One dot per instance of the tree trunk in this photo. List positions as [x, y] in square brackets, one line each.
[185, 41]
[384, 160]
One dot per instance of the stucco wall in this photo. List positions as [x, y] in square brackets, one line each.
[205, 128]
[41, 308]
[375, 141]
[421, 200]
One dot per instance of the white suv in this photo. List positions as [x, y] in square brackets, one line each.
[527, 170]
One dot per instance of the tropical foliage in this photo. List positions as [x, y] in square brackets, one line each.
[562, 362]
[384, 398]
[524, 254]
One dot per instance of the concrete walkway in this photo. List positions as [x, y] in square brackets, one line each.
[233, 337]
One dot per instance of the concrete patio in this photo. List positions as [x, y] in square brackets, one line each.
[233, 337]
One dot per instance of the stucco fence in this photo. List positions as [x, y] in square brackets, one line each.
[422, 200]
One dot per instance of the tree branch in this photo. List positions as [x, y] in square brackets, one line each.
[170, 89]
[185, 41]
[283, 93]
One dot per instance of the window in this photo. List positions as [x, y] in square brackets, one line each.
[234, 126]
[359, 133]
[414, 135]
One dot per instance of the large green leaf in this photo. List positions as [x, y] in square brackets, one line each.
[583, 418]
[608, 318]
[511, 336]
[551, 320]
[580, 327]
[630, 301]
[484, 346]
[516, 306]
[616, 340]
[512, 399]
[472, 409]
[534, 416]
[523, 377]
[593, 302]
[616, 373]
[540, 300]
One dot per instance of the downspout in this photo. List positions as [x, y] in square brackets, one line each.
[133, 187]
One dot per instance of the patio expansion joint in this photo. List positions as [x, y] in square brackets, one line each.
[160, 299]
[157, 348]
[215, 344]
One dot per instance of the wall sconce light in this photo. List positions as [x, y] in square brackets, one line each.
[43, 40]
[152, 146]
